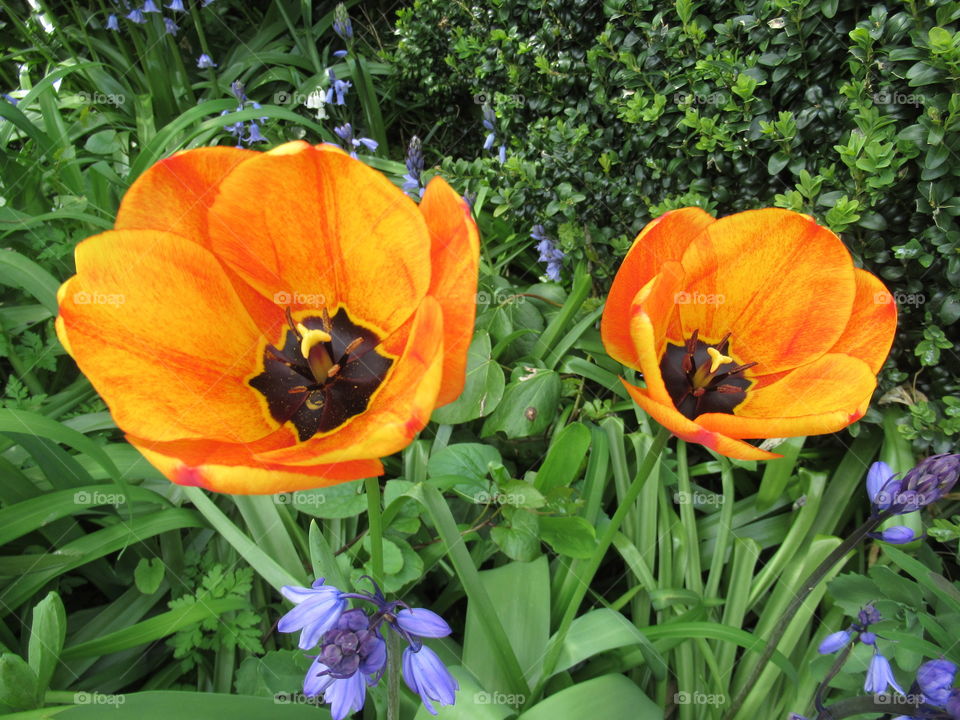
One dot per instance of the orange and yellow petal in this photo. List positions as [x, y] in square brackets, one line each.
[156, 326]
[175, 194]
[311, 228]
[781, 284]
[685, 429]
[201, 467]
[821, 397]
[397, 412]
[651, 312]
[454, 260]
[662, 240]
[869, 332]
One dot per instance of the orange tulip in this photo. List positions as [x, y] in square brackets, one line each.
[267, 322]
[756, 325]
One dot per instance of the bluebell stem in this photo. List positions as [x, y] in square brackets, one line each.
[350, 142]
[549, 253]
[205, 61]
[170, 26]
[112, 22]
[337, 88]
[176, 6]
[353, 653]
[412, 183]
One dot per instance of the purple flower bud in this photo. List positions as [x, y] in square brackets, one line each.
[426, 675]
[878, 476]
[935, 680]
[928, 482]
[898, 535]
[833, 642]
[868, 638]
[422, 622]
[868, 615]
[339, 53]
[880, 675]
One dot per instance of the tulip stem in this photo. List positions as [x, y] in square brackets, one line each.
[375, 521]
[872, 523]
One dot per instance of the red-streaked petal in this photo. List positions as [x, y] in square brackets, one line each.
[153, 322]
[822, 397]
[688, 430]
[782, 285]
[652, 310]
[454, 258]
[662, 240]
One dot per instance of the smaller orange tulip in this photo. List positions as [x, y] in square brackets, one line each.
[265, 322]
[756, 325]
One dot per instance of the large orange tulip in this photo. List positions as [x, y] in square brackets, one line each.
[756, 325]
[266, 322]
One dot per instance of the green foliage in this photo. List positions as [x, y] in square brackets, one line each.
[613, 113]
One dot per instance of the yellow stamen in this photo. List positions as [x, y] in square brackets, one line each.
[718, 359]
[309, 338]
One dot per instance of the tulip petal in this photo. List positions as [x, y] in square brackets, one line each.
[821, 397]
[311, 228]
[781, 284]
[870, 330]
[686, 429]
[174, 194]
[397, 412]
[662, 240]
[651, 313]
[250, 475]
[454, 259]
[155, 324]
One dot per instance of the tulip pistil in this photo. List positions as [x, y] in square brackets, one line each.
[702, 378]
[325, 373]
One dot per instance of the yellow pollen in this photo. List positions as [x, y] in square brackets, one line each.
[309, 338]
[718, 359]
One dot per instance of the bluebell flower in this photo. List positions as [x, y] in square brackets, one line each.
[205, 3]
[878, 476]
[236, 87]
[176, 6]
[136, 16]
[254, 135]
[340, 53]
[341, 22]
[422, 622]
[897, 535]
[834, 641]
[350, 142]
[337, 88]
[502, 154]
[149, 6]
[935, 680]
[549, 253]
[926, 483]
[426, 675]
[412, 183]
[170, 26]
[112, 22]
[880, 676]
[318, 609]
[205, 61]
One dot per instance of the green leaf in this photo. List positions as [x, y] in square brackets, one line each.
[483, 389]
[468, 460]
[148, 575]
[599, 631]
[519, 538]
[47, 634]
[607, 696]
[332, 503]
[564, 459]
[21, 272]
[570, 536]
[18, 684]
[528, 406]
[163, 705]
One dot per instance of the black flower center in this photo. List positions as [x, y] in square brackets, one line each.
[701, 378]
[326, 372]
